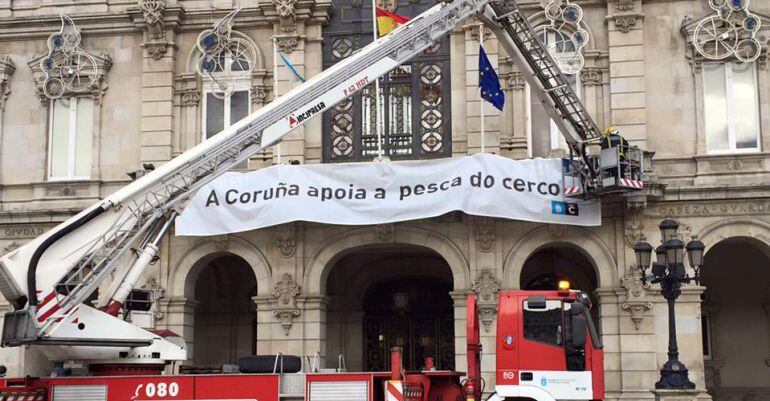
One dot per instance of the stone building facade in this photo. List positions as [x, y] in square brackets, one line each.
[145, 96]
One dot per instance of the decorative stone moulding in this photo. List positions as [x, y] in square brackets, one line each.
[7, 68]
[485, 234]
[225, 56]
[285, 293]
[68, 68]
[486, 286]
[730, 31]
[563, 35]
[152, 11]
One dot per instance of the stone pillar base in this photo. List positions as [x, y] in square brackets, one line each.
[681, 395]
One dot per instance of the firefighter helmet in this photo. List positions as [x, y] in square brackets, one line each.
[611, 130]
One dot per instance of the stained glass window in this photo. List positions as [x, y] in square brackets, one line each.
[414, 98]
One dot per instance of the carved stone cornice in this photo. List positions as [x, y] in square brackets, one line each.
[287, 14]
[7, 68]
[260, 94]
[287, 43]
[513, 80]
[624, 5]
[189, 97]
[187, 90]
[625, 22]
[152, 11]
[591, 76]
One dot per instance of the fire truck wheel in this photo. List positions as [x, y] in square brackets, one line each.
[266, 364]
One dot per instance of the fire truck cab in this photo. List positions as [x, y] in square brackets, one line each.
[547, 347]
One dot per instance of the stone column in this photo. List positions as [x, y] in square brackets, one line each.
[459, 302]
[636, 338]
[473, 94]
[292, 45]
[627, 82]
[7, 68]
[298, 35]
[265, 320]
[157, 125]
[513, 122]
[311, 335]
[178, 315]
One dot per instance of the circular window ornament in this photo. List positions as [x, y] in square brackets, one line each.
[563, 36]
[729, 32]
[67, 67]
[748, 50]
[224, 56]
[715, 38]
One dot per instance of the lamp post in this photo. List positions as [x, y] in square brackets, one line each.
[669, 271]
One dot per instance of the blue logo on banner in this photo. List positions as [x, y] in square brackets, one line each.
[543, 382]
[565, 208]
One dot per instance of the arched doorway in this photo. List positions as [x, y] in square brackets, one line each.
[736, 319]
[547, 266]
[412, 313]
[225, 318]
[382, 297]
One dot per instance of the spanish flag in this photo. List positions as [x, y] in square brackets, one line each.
[388, 21]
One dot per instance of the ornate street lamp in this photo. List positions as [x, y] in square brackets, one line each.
[668, 229]
[669, 272]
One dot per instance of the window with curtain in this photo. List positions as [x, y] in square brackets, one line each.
[731, 107]
[414, 98]
[221, 110]
[71, 125]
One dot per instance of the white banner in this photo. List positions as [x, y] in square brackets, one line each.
[376, 193]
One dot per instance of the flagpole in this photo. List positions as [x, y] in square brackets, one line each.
[377, 113]
[481, 99]
[275, 91]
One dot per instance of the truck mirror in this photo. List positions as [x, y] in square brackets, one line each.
[578, 325]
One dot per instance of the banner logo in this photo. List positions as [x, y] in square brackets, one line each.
[565, 208]
[295, 120]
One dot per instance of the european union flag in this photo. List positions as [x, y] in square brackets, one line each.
[489, 82]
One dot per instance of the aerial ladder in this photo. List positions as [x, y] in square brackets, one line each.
[49, 279]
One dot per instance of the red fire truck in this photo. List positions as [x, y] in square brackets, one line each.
[547, 350]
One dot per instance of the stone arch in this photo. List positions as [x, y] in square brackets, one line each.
[758, 231]
[576, 237]
[363, 279]
[185, 272]
[322, 259]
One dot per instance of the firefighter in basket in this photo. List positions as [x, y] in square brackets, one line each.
[612, 139]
